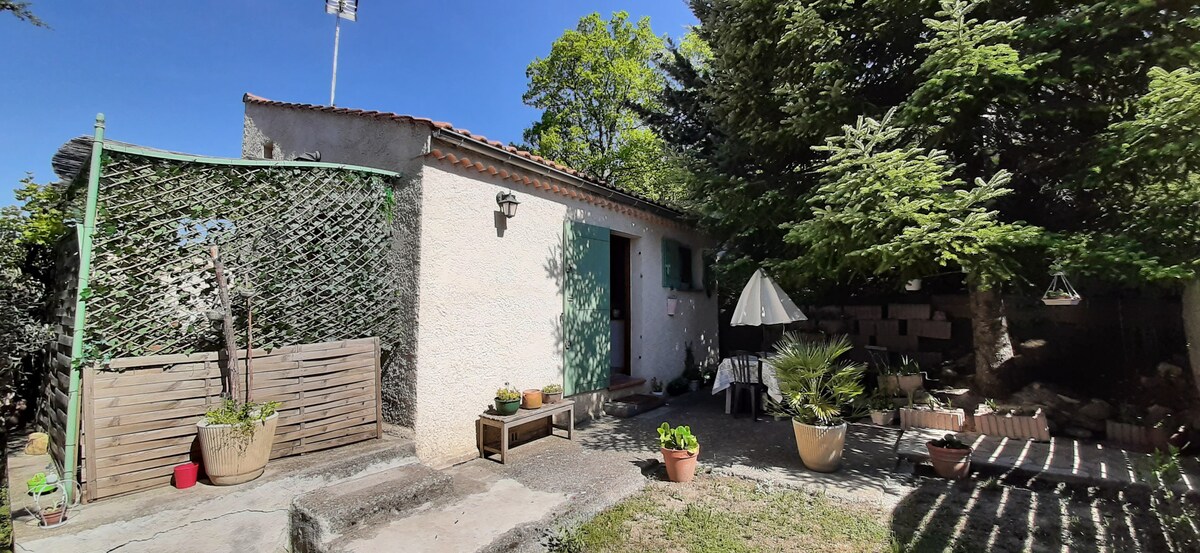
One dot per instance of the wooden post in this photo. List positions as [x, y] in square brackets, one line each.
[227, 324]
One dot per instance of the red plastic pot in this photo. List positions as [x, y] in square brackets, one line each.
[949, 462]
[185, 475]
[681, 465]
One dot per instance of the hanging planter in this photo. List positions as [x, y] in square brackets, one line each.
[1060, 291]
[913, 285]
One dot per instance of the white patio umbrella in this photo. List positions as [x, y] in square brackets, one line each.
[764, 303]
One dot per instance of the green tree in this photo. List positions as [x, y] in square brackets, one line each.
[889, 209]
[1030, 88]
[587, 88]
[21, 11]
[1146, 228]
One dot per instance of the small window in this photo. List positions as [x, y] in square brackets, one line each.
[686, 282]
[268, 150]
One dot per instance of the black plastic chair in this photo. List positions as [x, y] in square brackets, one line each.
[746, 366]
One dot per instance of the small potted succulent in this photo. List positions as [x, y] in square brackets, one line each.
[54, 513]
[656, 387]
[531, 399]
[680, 449]
[552, 393]
[508, 400]
[883, 409]
[951, 457]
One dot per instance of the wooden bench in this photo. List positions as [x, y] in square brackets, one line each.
[504, 423]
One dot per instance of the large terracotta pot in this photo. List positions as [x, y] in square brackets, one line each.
[948, 462]
[820, 447]
[233, 457]
[681, 465]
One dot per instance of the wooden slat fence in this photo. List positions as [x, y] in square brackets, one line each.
[52, 407]
[140, 413]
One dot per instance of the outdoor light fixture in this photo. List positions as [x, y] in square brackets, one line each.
[508, 203]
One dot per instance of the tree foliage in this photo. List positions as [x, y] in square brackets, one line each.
[888, 209]
[21, 11]
[1030, 88]
[586, 88]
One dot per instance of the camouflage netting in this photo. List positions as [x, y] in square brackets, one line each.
[319, 246]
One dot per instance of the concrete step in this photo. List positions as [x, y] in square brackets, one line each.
[320, 516]
[199, 518]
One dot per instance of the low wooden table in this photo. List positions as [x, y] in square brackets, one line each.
[504, 422]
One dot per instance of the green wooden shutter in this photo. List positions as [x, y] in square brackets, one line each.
[671, 269]
[587, 298]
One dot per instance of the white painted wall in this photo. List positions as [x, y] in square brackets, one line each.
[491, 305]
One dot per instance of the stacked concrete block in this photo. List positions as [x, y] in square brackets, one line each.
[929, 329]
[898, 311]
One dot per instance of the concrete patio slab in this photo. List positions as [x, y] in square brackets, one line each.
[249, 517]
[1059, 460]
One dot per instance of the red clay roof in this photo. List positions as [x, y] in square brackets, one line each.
[442, 125]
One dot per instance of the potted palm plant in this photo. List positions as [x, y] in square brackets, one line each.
[508, 400]
[951, 457]
[552, 393]
[820, 394]
[680, 450]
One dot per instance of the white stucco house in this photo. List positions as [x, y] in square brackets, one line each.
[588, 286]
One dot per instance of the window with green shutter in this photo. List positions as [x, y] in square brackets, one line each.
[678, 266]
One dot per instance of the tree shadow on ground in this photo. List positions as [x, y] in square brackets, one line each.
[995, 513]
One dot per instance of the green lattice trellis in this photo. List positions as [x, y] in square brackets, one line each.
[317, 243]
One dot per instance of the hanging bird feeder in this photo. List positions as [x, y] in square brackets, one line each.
[1061, 292]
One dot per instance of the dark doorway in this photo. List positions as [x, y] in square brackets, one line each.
[621, 319]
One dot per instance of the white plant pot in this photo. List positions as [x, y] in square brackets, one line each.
[1062, 301]
[913, 285]
[1022, 427]
[232, 457]
[940, 419]
[820, 447]
[882, 418]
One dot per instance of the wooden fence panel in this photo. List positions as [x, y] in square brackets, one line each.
[141, 422]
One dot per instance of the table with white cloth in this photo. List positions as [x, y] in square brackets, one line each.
[725, 379]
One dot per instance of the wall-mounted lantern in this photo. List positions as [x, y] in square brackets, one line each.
[508, 203]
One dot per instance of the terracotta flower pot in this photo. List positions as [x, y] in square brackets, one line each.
[948, 462]
[820, 447]
[531, 399]
[232, 456]
[681, 465]
[52, 518]
[507, 407]
[551, 398]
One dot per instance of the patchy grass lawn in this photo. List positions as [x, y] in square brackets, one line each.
[725, 514]
[729, 515]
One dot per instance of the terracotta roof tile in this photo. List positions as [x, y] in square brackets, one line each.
[442, 125]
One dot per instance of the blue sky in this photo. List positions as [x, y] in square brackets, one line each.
[171, 74]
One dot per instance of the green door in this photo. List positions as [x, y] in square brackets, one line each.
[587, 294]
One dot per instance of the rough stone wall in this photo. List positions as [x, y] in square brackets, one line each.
[370, 143]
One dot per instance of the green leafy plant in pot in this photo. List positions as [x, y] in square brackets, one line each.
[820, 393]
[680, 450]
[236, 436]
[552, 393]
[508, 400]
[883, 408]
